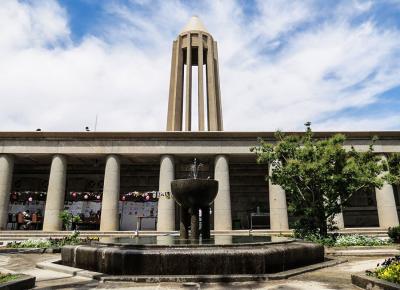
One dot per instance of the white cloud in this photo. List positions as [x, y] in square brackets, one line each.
[359, 124]
[24, 25]
[272, 75]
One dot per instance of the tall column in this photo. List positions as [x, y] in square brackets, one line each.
[175, 104]
[386, 205]
[188, 117]
[218, 90]
[6, 172]
[222, 203]
[211, 89]
[200, 83]
[277, 207]
[166, 207]
[55, 194]
[110, 203]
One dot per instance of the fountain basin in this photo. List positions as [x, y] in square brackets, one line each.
[116, 258]
[194, 193]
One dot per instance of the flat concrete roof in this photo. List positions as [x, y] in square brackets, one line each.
[194, 135]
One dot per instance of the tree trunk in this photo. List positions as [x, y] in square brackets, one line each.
[322, 223]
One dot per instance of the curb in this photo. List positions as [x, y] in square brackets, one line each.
[367, 282]
[360, 252]
[29, 250]
[54, 265]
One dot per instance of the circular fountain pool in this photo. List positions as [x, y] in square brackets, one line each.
[172, 241]
[169, 255]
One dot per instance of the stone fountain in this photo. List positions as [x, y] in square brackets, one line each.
[194, 195]
[188, 258]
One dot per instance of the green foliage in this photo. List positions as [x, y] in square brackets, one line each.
[318, 175]
[389, 270]
[68, 218]
[359, 240]
[335, 240]
[72, 239]
[31, 244]
[390, 273]
[8, 277]
[394, 234]
[328, 240]
[76, 219]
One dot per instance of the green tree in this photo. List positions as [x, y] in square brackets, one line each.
[319, 175]
[394, 168]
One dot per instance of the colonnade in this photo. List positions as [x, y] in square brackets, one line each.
[386, 205]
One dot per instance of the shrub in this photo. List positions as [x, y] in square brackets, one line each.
[328, 240]
[394, 234]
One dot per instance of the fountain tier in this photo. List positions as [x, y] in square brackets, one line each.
[193, 195]
[130, 258]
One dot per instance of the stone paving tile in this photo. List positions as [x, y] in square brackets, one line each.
[45, 275]
[337, 277]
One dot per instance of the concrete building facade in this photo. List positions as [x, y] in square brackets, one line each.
[56, 165]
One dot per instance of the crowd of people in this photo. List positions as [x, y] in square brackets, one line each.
[25, 220]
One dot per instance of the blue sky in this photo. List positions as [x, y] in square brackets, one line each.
[282, 63]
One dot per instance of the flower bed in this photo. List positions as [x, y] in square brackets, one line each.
[8, 277]
[16, 281]
[348, 240]
[73, 239]
[389, 270]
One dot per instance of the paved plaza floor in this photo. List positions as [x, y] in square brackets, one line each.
[336, 277]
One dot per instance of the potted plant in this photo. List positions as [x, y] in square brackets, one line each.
[66, 218]
[75, 219]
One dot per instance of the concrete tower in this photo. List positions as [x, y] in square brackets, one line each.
[194, 47]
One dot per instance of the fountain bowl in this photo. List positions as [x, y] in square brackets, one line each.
[194, 193]
[222, 255]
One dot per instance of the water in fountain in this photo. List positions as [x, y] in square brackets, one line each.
[194, 169]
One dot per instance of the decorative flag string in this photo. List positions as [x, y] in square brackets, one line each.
[90, 195]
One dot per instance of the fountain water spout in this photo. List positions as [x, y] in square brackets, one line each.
[194, 169]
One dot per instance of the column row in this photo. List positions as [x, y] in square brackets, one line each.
[386, 205]
[56, 192]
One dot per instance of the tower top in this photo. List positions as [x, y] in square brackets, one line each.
[194, 24]
[194, 47]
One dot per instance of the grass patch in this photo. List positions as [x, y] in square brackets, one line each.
[8, 277]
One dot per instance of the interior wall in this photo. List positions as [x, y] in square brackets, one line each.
[249, 193]
[361, 210]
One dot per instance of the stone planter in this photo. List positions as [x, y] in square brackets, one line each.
[368, 282]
